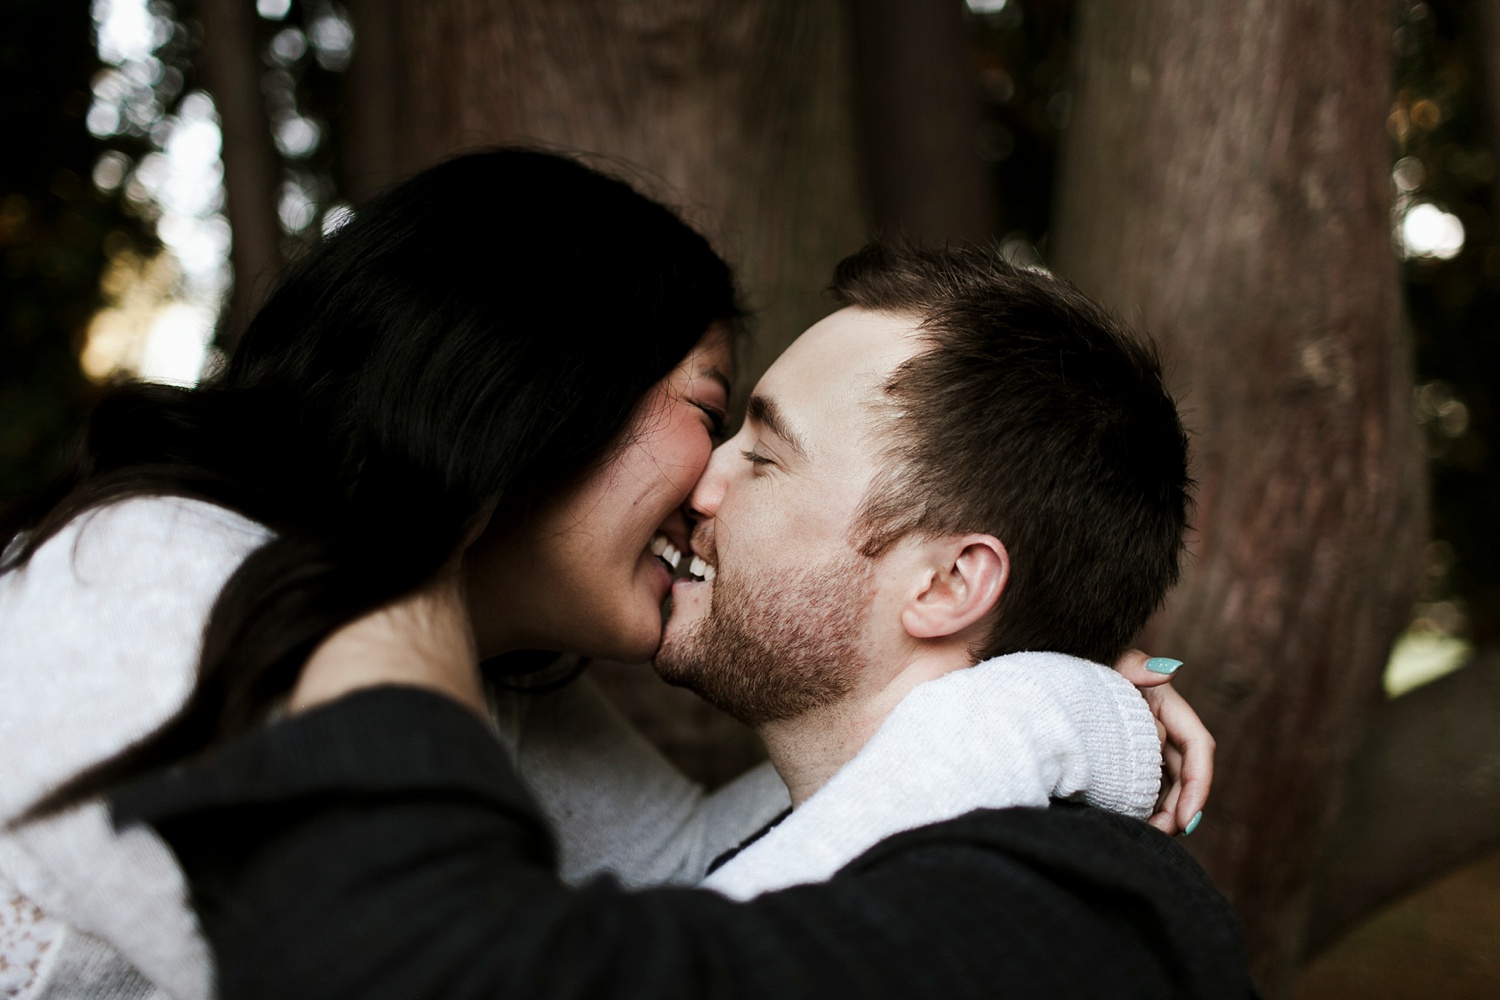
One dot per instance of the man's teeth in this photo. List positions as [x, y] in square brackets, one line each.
[701, 569]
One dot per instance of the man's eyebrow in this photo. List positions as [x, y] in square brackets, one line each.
[764, 411]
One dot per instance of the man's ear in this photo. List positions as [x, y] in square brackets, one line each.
[962, 582]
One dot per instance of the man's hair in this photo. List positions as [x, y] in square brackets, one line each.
[1036, 417]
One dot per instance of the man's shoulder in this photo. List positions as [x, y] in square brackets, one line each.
[1101, 895]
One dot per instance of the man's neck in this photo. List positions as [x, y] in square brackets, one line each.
[810, 749]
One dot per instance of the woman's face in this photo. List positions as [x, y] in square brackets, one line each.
[581, 576]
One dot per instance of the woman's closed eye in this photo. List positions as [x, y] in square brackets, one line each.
[716, 420]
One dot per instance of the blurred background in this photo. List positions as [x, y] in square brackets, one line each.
[1297, 198]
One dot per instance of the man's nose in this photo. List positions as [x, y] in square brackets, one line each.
[708, 494]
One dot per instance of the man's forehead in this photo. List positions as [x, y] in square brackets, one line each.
[853, 348]
[823, 384]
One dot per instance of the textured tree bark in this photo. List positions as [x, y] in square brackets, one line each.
[232, 71]
[736, 112]
[1423, 798]
[1225, 184]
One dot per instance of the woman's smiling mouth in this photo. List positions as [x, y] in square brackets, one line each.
[698, 569]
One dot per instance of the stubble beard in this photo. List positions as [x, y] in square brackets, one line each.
[776, 646]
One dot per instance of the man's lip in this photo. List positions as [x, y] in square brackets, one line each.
[706, 553]
[687, 581]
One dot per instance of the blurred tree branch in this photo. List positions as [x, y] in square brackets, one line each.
[231, 68]
[373, 152]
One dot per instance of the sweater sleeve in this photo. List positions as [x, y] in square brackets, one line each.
[100, 635]
[382, 847]
[1018, 730]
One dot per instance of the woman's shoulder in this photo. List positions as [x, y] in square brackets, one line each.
[100, 631]
[196, 527]
[140, 540]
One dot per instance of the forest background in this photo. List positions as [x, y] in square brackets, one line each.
[1298, 198]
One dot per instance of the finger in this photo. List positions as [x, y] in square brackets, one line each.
[1146, 671]
[1171, 791]
[1165, 821]
[1165, 818]
[1171, 778]
[1186, 732]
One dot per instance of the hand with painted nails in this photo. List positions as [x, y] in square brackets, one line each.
[1187, 746]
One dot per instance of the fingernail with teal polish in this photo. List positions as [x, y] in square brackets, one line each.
[1163, 665]
[1187, 831]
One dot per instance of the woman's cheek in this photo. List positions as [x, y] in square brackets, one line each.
[698, 466]
[693, 447]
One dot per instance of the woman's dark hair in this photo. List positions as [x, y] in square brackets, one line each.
[478, 334]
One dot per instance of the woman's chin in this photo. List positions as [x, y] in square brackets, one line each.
[633, 642]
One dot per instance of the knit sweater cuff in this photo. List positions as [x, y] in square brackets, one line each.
[1121, 744]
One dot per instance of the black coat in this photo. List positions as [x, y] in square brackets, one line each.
[383, 847]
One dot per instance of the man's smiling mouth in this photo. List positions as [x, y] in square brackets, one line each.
[698, 569]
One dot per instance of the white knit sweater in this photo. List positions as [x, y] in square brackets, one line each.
[1013, 731]
[99, 639]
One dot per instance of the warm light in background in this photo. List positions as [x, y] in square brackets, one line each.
[145, 329]
[161, 313]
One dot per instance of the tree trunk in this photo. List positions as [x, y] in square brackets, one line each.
[919, 121]
[740, 114]
[232, 71]
[737, 109]
[1225, 184]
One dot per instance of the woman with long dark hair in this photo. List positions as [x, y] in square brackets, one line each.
[468, 346]
[508, 346]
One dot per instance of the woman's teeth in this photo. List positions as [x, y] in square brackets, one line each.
[698, 568]
[666, 550]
